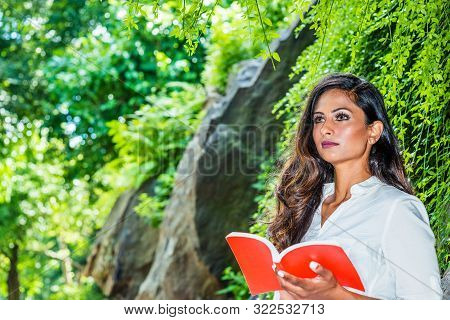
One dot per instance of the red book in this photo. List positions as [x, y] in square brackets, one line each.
[256, 255]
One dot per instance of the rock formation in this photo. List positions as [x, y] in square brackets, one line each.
[123, 251]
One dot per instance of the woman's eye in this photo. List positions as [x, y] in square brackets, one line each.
[342, 116]
[317, 119]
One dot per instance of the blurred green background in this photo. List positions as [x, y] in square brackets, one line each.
[84, 84]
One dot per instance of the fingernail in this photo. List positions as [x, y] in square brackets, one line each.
[313, 265]
[281, 273]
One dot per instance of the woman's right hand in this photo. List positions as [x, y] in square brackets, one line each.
[284, 295]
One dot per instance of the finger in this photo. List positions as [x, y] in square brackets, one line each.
[292, 288]
[286, 295]
[301, 282]
[294, 281]
[320, 270]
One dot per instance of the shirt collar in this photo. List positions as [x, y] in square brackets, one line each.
[356, 189]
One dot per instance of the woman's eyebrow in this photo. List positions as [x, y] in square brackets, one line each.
[337, 109]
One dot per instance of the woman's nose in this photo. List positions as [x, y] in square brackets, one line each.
[327, 128]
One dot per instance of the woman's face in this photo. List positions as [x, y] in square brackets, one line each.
[340, 132]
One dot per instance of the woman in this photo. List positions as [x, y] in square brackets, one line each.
[345, 181]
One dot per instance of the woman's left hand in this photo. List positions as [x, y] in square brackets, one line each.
[324, 286]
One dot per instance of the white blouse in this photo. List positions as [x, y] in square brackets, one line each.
[386, 234]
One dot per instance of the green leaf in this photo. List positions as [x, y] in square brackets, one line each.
[267, 21]
[276, 56]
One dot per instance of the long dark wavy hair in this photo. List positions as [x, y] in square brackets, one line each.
[303, 173]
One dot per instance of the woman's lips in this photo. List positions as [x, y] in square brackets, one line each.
[329, 144]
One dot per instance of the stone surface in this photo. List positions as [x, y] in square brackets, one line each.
[123, 252]
[446, 284]
[213, 194]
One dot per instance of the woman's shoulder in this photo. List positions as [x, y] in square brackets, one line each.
[394, 195]
[400, 204]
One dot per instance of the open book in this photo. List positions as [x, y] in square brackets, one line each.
[255, 256]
